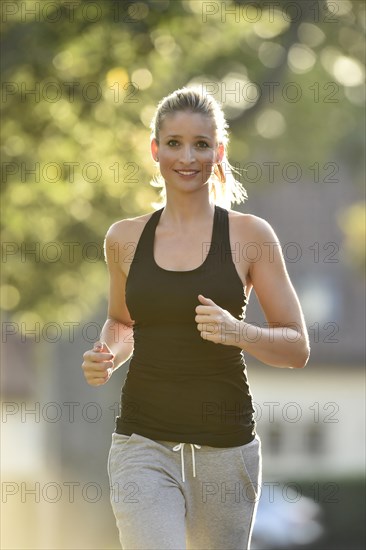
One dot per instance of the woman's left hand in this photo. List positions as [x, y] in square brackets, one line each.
[216, 324]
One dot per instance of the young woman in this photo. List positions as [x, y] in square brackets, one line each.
[185, 461]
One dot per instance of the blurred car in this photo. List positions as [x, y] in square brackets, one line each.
[285, 519]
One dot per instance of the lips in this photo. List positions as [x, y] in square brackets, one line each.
[187, 172]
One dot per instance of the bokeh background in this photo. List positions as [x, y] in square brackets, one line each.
[80, 82]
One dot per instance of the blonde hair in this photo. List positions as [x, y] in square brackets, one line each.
[224, 188]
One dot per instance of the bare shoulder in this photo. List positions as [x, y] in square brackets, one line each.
[128, 229]
[251, 226]
[121, 240]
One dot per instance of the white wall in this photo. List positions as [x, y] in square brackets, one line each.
[318, 406]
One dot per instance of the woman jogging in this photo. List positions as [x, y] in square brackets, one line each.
[185, 459]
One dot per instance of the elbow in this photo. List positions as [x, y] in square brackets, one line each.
[302, 355]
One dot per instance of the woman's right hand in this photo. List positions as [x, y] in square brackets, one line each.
[98, 364]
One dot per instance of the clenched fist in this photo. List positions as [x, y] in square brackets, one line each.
[98, 364]
[216, 324]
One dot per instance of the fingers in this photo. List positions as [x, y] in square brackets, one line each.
[208, 306]
[210, 336]
[97, 379]
[206, 310]
[206, 301]
[97, 357]
[101, 346]
[209, 317]
[210, 328]
[98, 364]
[206, 317]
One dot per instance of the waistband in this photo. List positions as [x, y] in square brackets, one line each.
[180, 447]
[175, 447]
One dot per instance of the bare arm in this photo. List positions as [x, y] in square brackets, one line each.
[115, 344]
[117, 331]
[284, 341]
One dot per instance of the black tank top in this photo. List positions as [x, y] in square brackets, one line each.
[180, 387]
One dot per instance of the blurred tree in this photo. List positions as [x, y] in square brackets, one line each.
[79, 87]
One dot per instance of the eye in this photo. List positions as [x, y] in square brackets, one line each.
[202, 145]
[172, 143]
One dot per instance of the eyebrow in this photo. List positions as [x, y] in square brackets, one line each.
[179, 136]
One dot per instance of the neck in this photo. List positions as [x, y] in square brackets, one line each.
[185, 212]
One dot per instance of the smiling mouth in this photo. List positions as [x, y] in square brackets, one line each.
[187, 172]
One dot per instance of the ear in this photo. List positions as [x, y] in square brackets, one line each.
[220, 152]
[154, 149]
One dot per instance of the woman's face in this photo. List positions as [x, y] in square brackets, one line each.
[187, 150]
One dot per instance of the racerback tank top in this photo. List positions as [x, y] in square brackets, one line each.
[180, 387]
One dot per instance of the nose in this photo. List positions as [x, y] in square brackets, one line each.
[188, 154]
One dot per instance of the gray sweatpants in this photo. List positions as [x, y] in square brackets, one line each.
[168, 495]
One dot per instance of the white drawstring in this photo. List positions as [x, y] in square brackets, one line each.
[180, 448]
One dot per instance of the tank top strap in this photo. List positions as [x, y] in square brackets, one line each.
[221, 248]
[145, 245]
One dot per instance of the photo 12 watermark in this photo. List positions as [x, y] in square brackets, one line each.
[52, 332]
[53, 91]
[270, 11]
[271, 491]
[69, 172]
[270, 412]
[71, 252]
[247, 92]
[71, 492]
[69, 11]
